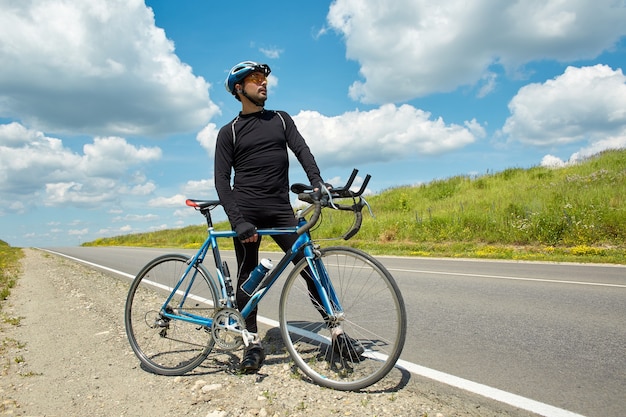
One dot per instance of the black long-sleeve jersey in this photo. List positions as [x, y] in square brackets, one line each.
[255, 147]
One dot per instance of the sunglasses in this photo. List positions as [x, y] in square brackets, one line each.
[257, 78]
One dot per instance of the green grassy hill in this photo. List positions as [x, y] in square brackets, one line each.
[575, 213]
[9, 269]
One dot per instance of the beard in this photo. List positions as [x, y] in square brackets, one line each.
[257, 98]
[260, 98]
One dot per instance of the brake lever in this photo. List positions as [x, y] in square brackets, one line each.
[369, 208]
[330, 196]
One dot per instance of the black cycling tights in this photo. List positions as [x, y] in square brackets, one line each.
[248, 257]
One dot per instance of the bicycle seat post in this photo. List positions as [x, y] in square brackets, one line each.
[206, 212]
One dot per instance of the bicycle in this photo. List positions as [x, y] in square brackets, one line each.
[176, 313]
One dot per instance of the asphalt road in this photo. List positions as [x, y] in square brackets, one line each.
[551, 333]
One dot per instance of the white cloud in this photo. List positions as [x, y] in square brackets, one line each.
[75, 193]
[136, 218]
[201, 189]
[207, 137]
[489, 84]
[94, 67]
[272, 83]
[126, 229]
[583, 104]
[159, 227]
[175, 201]
[34, 165]
[551, 161]
[584, 153]
[80, 232]
[108, 231]
[271, 53]
[411, 48]
[108, 156]
[139, 189]
[384, 134]
[616, 142]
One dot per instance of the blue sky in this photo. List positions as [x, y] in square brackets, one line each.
[109, 110]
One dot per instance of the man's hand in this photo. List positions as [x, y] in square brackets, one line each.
[246, 232]
[327, 185]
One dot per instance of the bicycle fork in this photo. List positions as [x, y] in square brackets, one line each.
[332, 310]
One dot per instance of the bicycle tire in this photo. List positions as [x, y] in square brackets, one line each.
[169, 347]
[374, 317]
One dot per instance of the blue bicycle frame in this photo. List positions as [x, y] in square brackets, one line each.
[304, 243]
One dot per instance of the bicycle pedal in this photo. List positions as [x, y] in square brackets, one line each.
[249, 338]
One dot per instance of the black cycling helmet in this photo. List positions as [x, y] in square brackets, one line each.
[241, 71]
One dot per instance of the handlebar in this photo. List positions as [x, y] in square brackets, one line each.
[319, 198]
[324, 197]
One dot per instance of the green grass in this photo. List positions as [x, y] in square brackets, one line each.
[576, 213]
[9, 268]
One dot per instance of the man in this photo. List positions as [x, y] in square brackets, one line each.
[254, 145]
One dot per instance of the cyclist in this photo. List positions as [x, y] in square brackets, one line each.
[254, 145]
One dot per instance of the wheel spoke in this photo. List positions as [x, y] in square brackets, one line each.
[165, 345]
[373, 321]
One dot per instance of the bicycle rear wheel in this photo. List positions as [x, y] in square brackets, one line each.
[374, 318]
[169, 346]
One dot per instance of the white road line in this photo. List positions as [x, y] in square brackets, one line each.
[554, 281]
[115, 271]
[464, 384]
[487, 391]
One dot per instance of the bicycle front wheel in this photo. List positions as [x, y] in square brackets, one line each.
[165, 345]
[362, 343]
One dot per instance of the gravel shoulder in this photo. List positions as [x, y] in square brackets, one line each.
[68, 355]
